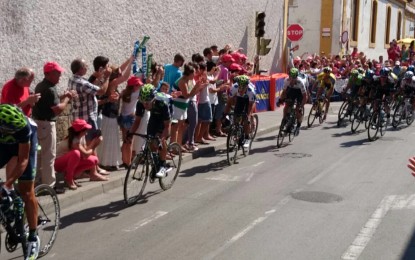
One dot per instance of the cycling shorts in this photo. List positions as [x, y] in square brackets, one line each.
[7, 151]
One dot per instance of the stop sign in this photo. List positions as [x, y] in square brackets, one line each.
[295, 32]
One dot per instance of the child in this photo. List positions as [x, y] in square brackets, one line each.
[76, 156]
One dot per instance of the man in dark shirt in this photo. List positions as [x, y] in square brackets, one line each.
[45, 112]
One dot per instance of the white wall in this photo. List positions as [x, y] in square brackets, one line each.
[34, 31]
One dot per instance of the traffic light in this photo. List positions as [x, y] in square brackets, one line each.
[264, 49]
[260, 24]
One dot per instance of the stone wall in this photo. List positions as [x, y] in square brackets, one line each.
[35, 31]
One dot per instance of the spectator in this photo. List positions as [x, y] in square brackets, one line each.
[404, 54]
[110, 129]
[204, 107]
[215, 51]
[75, 156]
[208, 54]
[85, 106]
[397, 68]
[157, 75]
[172, 71]
[393, 52]
[129, 97]
[16, 91]
[355, 53]
[45, 113]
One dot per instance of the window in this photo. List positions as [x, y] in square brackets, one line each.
[388, 24]
[373, 22]
[399, 29]
[355, 20]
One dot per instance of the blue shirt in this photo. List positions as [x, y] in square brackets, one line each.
[171, 75]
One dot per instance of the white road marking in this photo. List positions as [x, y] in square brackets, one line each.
[248, 228]
[369, 229]
[145, 221]
[224, 177]
[250, 176]
[258, 164]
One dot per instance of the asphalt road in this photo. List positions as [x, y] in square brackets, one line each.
[329, 195]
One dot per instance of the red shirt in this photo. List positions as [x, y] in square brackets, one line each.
[13, 94]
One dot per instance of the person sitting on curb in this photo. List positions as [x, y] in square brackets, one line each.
[77, 156]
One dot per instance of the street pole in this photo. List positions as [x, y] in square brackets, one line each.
[258, 47]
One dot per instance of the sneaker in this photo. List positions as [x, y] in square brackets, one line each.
[163, 171]
[192, 148]
[247, 143]
[33, 249]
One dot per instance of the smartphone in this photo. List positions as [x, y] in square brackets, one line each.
[219, 82]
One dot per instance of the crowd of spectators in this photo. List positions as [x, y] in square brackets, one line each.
[103, 109]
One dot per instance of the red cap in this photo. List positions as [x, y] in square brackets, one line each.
[51, 66]
[79, 124]
[226, 58]
[243, 56]
[235, 67]
[236, 56]
[133, 81]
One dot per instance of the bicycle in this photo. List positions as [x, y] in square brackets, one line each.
[362, 114]
[403, 111]
[377, 122]
[144, 167]
[47, 222]
[347, 109]
[236, 137]
[317, 111]
[288, 124]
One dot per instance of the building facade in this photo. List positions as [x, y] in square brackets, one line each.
[369, 25]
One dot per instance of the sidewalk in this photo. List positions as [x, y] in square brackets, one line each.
[268, 122]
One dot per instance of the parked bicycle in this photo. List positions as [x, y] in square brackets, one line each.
[145, 165]
[12, 218]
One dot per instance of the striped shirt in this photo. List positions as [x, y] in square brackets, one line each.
[85, 106]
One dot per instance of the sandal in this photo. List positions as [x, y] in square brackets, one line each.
[71, 186]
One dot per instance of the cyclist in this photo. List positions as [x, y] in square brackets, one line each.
[407, 88]
[18, 137]
[326, 79]
[158, 123]
[384, 86]
[242, 97]
[294, 90]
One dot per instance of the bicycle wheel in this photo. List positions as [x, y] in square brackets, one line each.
[372, 130]
[312, 115]
[355, 124]
[254, 127]
[49, 214]
[281, 133]
[409, 116]
[174, 159]
[232, 145]
[321, 112]
[342, 112]
[136, 179]
[397, 116]
[383, 124]
[291, 133]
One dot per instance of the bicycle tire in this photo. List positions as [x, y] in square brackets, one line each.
[397, 116]
[312, 116]
[48, 217]
[373, 129]
[382, 125]
[291, 134]
[355, 124]
[136, 179]
[232, 145]
[254, 127]
[174, 159]
[409, 117]
[281, 134]
[342, 112]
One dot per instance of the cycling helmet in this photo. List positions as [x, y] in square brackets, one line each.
[369, 74]
[242, 80]
[294, 73]
[361, 70]
[327, 70]
[411, 68]
[384, 72]
[408, 75]
[147, 93]
[354, 73]
[11, 119]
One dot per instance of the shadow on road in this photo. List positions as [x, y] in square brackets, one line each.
[211, 167]
[269, 148]
[355, 143]
[108, 211]
[268, 138]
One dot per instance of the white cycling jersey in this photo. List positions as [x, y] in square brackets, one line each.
[299, 84]
[249, 94]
